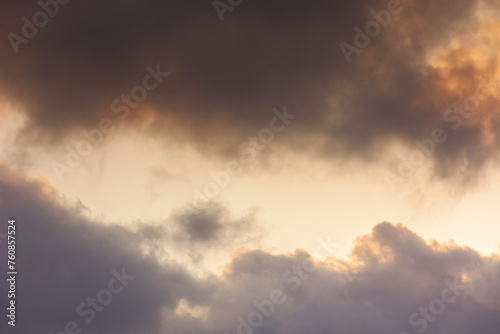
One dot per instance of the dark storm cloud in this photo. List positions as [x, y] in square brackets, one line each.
[266, 55]
[227, 76]
[392, 275]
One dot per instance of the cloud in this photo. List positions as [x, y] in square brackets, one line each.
[211, 224]
[208, 231]
[392, 277]
[63, 258]
[227, 76]
[392, 274]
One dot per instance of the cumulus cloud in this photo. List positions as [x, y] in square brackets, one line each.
[393, 282]
[392, 275]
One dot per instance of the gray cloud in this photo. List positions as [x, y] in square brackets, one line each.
[63, 258]
[391, 273]
[212, 224]
[206, 230]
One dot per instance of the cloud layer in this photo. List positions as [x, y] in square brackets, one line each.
[227, 76]
[392, 275]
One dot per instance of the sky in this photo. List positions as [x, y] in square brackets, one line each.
[241, 167]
